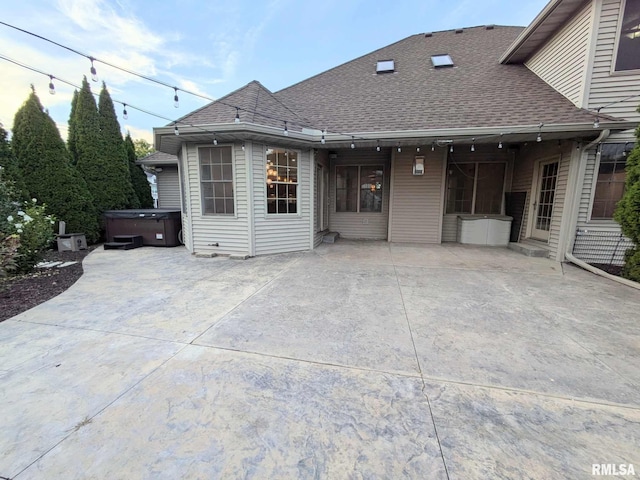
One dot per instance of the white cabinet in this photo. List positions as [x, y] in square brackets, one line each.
[493, 230]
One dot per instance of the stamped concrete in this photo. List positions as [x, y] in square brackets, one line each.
[356, 360]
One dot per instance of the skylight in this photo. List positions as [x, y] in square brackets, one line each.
[385, 66]
[442, 61]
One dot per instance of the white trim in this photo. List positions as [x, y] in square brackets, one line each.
[298, 185]
[566, 230]
[187, 185]
[233, 176]
[251, 235]
[392, 173]
[534, 194]
[313, 199]
[596, 10]
[614, 57]
[443, 192]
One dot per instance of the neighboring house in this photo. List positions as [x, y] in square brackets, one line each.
[167, 180]
[151, 178]
[398, 143]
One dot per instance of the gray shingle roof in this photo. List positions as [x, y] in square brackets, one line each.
[157, 158]
[477, 92]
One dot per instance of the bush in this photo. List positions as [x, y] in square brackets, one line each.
[9, 254]
[631, 269]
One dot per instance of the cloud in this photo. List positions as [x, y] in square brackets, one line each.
[139, 133]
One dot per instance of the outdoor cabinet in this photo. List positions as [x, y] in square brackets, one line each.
[493, 230]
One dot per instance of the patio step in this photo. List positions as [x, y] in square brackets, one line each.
[330, 237]
[124, 242]
[528, 250]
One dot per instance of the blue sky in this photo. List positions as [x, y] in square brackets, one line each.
[210, 47]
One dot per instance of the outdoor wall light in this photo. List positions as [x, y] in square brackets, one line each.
[418, 165]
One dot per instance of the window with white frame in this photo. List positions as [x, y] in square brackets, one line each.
[359, 188]
[610, 181]
[475, 188]
[282, 181]
[216, 180]
[628, 54]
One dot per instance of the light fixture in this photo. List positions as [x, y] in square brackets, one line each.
[451, 148]
[125, 115]
[237, 119]
[377, 145]
[94, 74]
[399, 148]
[418, 149]
[286, 130]
[52, 87]
[500, 142]
[539, 137]
[243, 146]
[176, 101]
[175, 129]
[353, 144]
[596, 122]
[473, 144]
[322, 140]
[433, 146]
[215, 140]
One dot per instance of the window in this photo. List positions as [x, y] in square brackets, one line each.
[475, 188]
[282, 181]
[610, 182]
[385, 66]
[359, 188]
[439, 61]
[628, 55]
[216, 180]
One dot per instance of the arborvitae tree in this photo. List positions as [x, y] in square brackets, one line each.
[106, 178]
[627, 212]
[72, 132]
[9, 169]
[43, 161]
[138, 177]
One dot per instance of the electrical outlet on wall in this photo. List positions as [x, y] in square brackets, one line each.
[365, 221]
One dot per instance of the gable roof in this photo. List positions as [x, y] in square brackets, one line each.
[158, 158]
[477, 92]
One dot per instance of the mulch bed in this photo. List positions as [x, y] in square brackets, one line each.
[22, 292]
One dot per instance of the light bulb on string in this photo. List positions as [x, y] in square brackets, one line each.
[94, 73]
[539, 137]
[433, 146]
[237, 119]
[215, 140]
[451, 148]
[243, 146]
[175, 130]
[125, 115]
[377, 145]
[473, 144]
[500, 142]
[353, 143]
[417, 149]
[286, 130]
[322, 140]
[176, 101]
[399, 148]
[52, 87]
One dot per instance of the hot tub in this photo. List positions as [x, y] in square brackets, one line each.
[158, 227]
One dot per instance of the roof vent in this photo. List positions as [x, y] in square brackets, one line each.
[443, 60]
[460, 30]
[489, 27]
[385, 66]
[428, 34]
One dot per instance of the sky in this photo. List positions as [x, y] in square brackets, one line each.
[209, 47]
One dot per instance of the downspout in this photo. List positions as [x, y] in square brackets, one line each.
[574, 214]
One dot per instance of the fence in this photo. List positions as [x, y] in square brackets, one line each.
[601, 248]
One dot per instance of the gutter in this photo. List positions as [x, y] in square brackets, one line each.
[576, 202]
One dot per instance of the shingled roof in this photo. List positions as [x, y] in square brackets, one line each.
[477, 92]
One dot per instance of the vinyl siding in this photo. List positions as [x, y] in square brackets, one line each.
[562, 61]
[369, 226]
[607, 87]
[417, 199]
[229, 231]
[281, 233]
[168, 187]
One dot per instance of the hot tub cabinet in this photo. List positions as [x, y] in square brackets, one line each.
[158, 227]
[492, 230]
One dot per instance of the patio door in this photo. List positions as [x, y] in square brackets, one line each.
[545, 193]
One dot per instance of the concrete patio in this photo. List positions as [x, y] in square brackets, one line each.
[357, 360]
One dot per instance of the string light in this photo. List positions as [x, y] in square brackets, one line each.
[539, 137]
[237, 119]
[243, 146]
[500, 142]
[596, 122]
[94, 73]
[451, 148]
[473, 144]
[377, 145]
[286, 130]
[215, 140]
[52, 87]
[322, 140]
[176, 101]
[353, 143]
[175, 130]
[433, 146]
[125, 115]
[417, 149]
[399, 148]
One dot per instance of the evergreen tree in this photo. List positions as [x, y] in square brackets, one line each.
[9, 169]
[138, 177]
[106, 177]
[43, 161]
[627, 212]
[114, 144]
[72, 132]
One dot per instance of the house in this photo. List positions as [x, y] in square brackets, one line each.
[396, 145]
[167, 180]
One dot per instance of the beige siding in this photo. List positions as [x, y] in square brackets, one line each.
[450, 228]
[607, 87]
[186, 208]
[168, 187]
[230, 232]
[417, 199]
[587, 186]
[281, 233]
[370, 226]
[562, 61]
